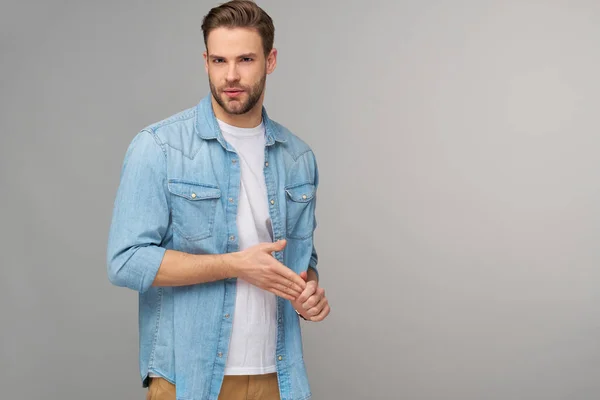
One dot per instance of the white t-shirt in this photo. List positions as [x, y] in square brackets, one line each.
[254, 331]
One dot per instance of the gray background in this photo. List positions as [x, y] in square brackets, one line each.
[458, 210]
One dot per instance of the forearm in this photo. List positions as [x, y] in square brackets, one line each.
[312, 275]
[178, 268]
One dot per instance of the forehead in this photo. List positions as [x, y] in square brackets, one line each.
[231, 42]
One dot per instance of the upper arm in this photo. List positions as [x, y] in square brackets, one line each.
[140, 215]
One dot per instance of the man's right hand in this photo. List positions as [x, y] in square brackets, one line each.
[257, 266]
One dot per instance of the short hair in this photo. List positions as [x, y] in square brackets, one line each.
[240, 14]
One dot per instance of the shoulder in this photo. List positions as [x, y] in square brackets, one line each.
[303, 164]
[176, 131]
[180, 123]
[294, 144]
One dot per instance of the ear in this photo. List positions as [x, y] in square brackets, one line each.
[272, 61]
[205, 55]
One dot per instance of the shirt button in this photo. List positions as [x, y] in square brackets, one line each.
[226, 315]
[272, 201]
[233, 161]
[232, 238]
[304, 196]
[280, 358]
[193, 195]
[220, 354]
[231, 199]
[267, 164]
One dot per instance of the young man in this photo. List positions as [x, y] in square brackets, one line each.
[213, 225]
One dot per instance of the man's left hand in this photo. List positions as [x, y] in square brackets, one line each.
[312, 303]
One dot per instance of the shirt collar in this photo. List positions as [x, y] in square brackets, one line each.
[207, 126]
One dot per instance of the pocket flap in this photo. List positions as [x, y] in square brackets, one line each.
[194, 191]
[301, 193]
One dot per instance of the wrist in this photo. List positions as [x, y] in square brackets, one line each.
[300, 315]
[231, 265]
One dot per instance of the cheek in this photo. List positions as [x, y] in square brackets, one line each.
[251, 73]
[216, 78]
[254, 79]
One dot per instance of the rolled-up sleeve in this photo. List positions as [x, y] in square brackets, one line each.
[314, 257]
[314, 260]
[140, 215]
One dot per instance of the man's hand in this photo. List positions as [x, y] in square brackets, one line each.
[257, 266]
[312, 303]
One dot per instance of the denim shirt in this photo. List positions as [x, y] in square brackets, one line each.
[179, 189]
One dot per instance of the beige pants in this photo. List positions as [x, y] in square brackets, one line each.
[235, 387]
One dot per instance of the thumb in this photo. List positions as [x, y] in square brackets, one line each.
[276, 246]
[304, 275]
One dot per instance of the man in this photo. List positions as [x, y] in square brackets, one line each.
[213, 225]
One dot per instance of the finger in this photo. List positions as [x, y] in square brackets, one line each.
[275, 246]
[314, 299]
[281, 294]
[322, 314]
[290, 278]
[316, 310]
[310, 290]
[290, 275]
[280, 279]
[304, 275]
[286, 289]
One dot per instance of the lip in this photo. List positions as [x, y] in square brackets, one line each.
[233, 92]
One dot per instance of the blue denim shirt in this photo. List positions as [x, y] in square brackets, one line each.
[179, 189]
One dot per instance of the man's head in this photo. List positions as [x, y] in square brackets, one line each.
[239, 54]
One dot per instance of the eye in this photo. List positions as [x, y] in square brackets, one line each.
[218, 60]
[247, 59]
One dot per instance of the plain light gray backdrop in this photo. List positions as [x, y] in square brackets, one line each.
[458, 210]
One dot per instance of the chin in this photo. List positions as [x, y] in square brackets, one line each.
[234, 109]
[237, 111]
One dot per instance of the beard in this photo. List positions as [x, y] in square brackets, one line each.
[237, 106]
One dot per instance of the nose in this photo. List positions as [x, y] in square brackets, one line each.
[232, 73]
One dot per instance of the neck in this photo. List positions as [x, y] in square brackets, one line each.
[250, 119]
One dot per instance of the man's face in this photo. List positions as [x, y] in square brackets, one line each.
[237, 68]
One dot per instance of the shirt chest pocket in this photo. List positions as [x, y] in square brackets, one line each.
[193, 208]
[300, 209]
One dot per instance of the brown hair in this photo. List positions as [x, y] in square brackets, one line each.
[241, 14]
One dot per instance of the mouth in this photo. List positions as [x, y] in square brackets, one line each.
[233, 92]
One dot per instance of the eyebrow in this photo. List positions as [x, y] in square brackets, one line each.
[245, 55]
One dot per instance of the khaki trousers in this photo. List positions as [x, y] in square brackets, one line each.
[235, 387]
